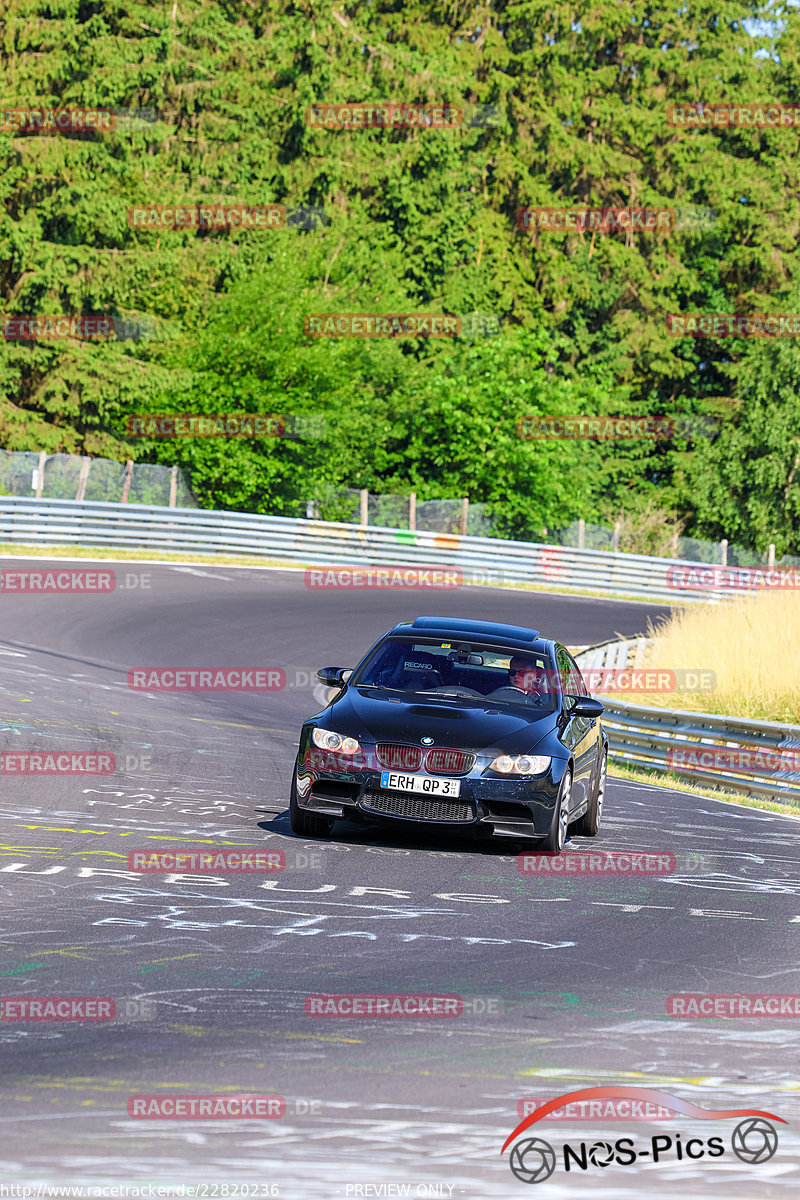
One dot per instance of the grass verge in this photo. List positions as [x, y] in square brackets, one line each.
[666, 780]
[750, 645]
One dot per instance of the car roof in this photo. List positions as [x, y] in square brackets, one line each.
[518, 637]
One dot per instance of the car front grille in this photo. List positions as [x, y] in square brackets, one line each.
[399, 758]
[449, 762]
[416, 808]
[439, 761]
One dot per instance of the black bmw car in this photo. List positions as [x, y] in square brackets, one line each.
[469, 725]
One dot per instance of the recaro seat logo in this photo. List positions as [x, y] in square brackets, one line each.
[533, 1160]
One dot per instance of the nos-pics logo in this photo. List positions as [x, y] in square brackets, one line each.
[533, 1160]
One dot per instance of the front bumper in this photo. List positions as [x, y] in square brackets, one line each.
[487, 804]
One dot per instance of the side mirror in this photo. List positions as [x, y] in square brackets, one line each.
[333, 676]
[586, 706]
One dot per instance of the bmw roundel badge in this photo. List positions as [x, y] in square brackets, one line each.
[426, 741]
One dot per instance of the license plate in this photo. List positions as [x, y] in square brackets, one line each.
[431, 785]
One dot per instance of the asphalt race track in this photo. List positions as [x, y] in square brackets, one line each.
[564, 980]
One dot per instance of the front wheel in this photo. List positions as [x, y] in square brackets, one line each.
[589, 823]
[553, 843]
[306, 824]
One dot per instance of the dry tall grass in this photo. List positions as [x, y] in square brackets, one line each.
[753, 645]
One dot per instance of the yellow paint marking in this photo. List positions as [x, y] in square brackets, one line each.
[63, 829]
[187, 841]
[89, 853]
[68, 953]
[146, 837]
[570, 1073]
[58, 851]
[132, 833]
[173, 958]
[63, 1085]
[238, 725]
[21, 849]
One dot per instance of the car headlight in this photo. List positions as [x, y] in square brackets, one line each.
[326, 739]
[520, 764]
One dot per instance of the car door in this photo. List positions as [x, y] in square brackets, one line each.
[592, 742]
[580, 733]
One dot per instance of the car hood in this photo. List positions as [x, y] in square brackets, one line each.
[470, 725]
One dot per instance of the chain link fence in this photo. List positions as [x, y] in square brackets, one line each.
[582, 534]
[398, 511]
[72, 477]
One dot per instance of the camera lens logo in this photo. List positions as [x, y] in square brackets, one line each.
[754, 1140]
[601, 1154]
[533, 1161]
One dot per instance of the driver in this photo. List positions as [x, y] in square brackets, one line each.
[525, 676]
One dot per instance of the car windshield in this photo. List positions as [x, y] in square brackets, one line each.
[468, 671]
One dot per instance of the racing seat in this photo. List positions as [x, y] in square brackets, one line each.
[416, 671]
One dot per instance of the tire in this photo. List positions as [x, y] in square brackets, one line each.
[306, 824]
[553, 843]
[589, 823]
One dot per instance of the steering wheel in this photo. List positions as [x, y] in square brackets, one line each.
[534, 698]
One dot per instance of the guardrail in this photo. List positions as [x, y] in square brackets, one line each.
[648, 737]
[40, 522]
[613, 655]
[757, 758]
